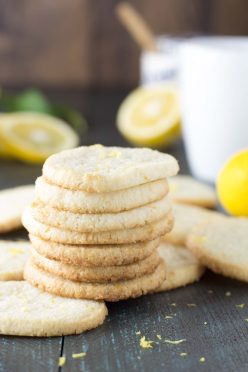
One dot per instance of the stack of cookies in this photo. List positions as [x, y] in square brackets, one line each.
[96, 222]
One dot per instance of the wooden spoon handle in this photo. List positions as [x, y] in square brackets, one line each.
[137, 26]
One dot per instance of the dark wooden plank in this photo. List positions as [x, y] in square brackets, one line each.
[19, 354]
[222, 341]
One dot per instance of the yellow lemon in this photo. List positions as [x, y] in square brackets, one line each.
[150, 116]
[232, 184]
[32, 137]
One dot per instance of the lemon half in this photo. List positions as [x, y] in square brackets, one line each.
[32, 137]
[150, 116]
[232, 184]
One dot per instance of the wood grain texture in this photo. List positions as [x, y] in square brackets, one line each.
[115, 345]
[81, 43]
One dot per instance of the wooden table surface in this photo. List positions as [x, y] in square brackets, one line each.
[205, 314]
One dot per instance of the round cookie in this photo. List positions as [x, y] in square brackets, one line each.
[90, 255]
[147, 232]
[97, 274]
[13, 257]
[187, 190]
[108, 202]
[12, 204]
[221, 244]
[185, 218]
[103, 169]
[98, 291]
[182, 267]
[94, 223]
[27, 311]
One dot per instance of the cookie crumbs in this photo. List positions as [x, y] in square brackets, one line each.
[202, 360]
[210, 291]
[78, 355]
[138, 333]
[146, 344]
[62, 361]
[241, 306]
[191, 305]
[183, 354]
[228, 294]
[173, 304]
[175, 342]
[159, 337]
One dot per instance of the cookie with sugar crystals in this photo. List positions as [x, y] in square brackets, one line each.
[28, 311]
[102, 169]
[13, 201]
[94, 223]
[114, 291]
[143, 233]
[108, 202]
[13, 257]
[221, 244]
[187, 190]
[182, 267]
[94, 255]
[97, 274]
[186, 217]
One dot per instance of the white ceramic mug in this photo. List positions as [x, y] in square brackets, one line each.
[213, 81]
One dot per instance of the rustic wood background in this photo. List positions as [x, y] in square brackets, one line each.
[80, 42]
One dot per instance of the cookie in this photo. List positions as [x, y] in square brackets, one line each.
[95, 291]
[90, 255]
[103, 169]
[13, 257]
[182, 267]
[94, 223]
[187, 190]
[222, 245]
[12, 204]
[147, 232]
[27, 311]
[97, 274]
[186, 217]
[108, 202]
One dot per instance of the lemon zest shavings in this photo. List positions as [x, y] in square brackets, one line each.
[159, 337]
[175, 342]
[183, 354]
[62, 361]
[146, 344]
[15, 251]
[205, 323]
[191, 305]
[228, 294]
[78, 355]
[202, 360]
[138, 333]
[173, 304]
[241, 306]
[210, 291]
[168, 317]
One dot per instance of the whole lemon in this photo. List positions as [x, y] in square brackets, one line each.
[232, 184]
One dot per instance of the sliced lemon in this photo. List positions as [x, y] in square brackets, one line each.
[32, 137]
[232, 184]
[150, 116]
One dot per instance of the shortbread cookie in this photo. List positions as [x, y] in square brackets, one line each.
[182, 267]
[102, 169]
[97, 274]
[186, 217]
[108, 202]
[13, 257]
[90, 255]
[27, 311]
[107, 291]
[94, 223]
[222, 245]
[147, 232]
[187, 190]
[12, 203]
